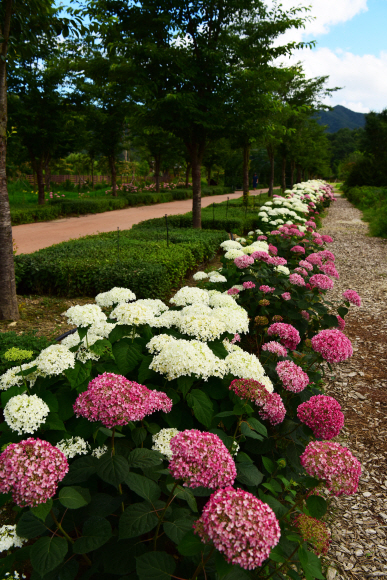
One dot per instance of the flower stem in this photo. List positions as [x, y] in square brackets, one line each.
[113, 433]
[202, 564]
[60, 528]
[169, 501]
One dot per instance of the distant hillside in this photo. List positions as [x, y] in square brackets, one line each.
[341, 117]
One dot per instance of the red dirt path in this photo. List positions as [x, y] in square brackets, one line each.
[32, 237]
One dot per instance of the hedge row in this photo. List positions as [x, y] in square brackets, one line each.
[142, 260]
[67, 207]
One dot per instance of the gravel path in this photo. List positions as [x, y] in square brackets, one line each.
[359, 522]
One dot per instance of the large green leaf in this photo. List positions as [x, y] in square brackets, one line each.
[126, 355]
[96, 532]
[47, 553]
[245, 430]
[155, 566]
[79, 374]
[119, 332]
[143, 486]
[248, 474]
[185, 383]
[190, 544]
[113, 469]
[54, 423]
[201, 405]
[177, 529]
[257, 426]
[81, 469]
[74, 497]
[317, 506]
[144, 458]
[30, 526]
[144, 372]
[50, 399]
[311, 564]
[218, 348]
[185, 494]
[137, 519]
[42, 510]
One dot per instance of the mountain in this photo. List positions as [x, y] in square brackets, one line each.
[340, 117]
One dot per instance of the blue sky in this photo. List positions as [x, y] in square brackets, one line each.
[351, 48]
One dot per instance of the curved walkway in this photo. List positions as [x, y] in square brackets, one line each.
[32, 237]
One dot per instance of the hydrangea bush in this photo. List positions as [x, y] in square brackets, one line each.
[179, 441]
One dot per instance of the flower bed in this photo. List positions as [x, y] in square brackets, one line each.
[189, 440]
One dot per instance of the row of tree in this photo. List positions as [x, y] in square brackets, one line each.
[173, 75]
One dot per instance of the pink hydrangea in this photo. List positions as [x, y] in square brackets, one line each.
[236, 338]
[334, 464]
[271, 407]
[244, 261]
[318, 241]
[277, 261]
[201, 459]
[333, 345]
[293, 378]
[31, 469]
[260, 255]
[298, 249]
[289, 336]
[352, 297]
[326, 239]
[341, 322]
[301, 271]
[314, 259]
[273, 250]
[266, 289]
[316, 235]
[327, 255]
[323, 415]
[330, 270]
[275, 232]
[321, 281]
[297, 280]
[305, 314]
[262, 237]
[275, 348]
[306, 265]
[286, 296]
[114, 400]
[310, 224]
[315, 532]
[240, 526]
[233, 291]
[248, 285]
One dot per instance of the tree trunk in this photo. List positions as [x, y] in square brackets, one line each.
[292, 167]
[8, 299]
[270, 153]
[209, 175]
[187, 171]
[298, 178]
[157, 171]
[47, 173]
[246, 167]
[113, 171]
[196, 151]
[40, 178]
[283, 175]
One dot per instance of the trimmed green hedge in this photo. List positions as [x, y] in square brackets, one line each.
[141, 260]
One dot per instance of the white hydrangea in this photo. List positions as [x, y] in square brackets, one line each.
[240, 240]
[236, 319]
[251, 233]
[260, 245]
[268, 203]
[187, 357]
[188, 295]
[223, 301]
[9, 378]
[249, 249]
[154, 305]
[262, 214]
[133, 314]
[302, 228]
[217, 278]
[14, 575]
[213, 292]
[265, 220]
[232, 254]
[195, 310]
[54, 359]
[84, 315]
[84, 354]
[282, 270]
[99, 451]
[9, 538]
[239, 287]
[101, 329]
[243, 365]
[162, 440]
[259, 232]
[114, 296]
[166, 319]
[201, 327]
[230, 245]
[73, 446]
[25, 413]
[157, 343]
[200, 276]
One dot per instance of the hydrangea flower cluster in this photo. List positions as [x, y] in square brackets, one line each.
[32, 470]
[323, 415]
[99, 451]
[200, 276]
[133, 314]
[260, 255]
[247, 366]
[73, 446]
[232, 254]
[289, 336]
[321, 281]
[266, 289]
[53, 360]
[248, 285]
[162, 440]
[240, 526]
[201, 327]
[25, 413]
[114, 296]
[327, 255]
[201, 459]
[243, 261]
[293, 378]
[233, 291]
[114, 400]
[10, 378]
[330, 270]
[341, 322]
[286, 296]
[277, 261]
[306, 265]
[9, 538]
[352, 297]
[314, 259]
[315, 532]
[334, 464]
[298, 249]
[297, 280]
[333, 345]
[188, 295]
[275, 348]
[84, 315]
[216, 278]
[271, 407]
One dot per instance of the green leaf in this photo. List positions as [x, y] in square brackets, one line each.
[248, 474]
[226, 414]
[218, 348]
[113, 469]
[51, 400]
[82, 331]
[103, 505]
[257, 426]
[96, 532]
[185, 383]
[120, 558]
[185, 494]
[342, 311]
[42, 510]
[137, 519]
[311, 564]
[317, 506]
[155, 566]
[54, 423]
[245, 430]
[74, 497]
[201, 405]
[101, 347]
[243, 458]
[119, 332]
[144, 372]
[144, 458]
[268, 464]
[47, 553]
[177, 529]
[79, 374]
[139, 435]
[30, 526]
[222, 567]
[143, 486]
[81, 469]
[190, 544]
[126, 356]
[66, 400]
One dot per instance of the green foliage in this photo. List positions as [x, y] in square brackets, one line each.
[26, 341]
[373, 202]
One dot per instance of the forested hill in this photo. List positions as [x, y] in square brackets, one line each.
[339, 118]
